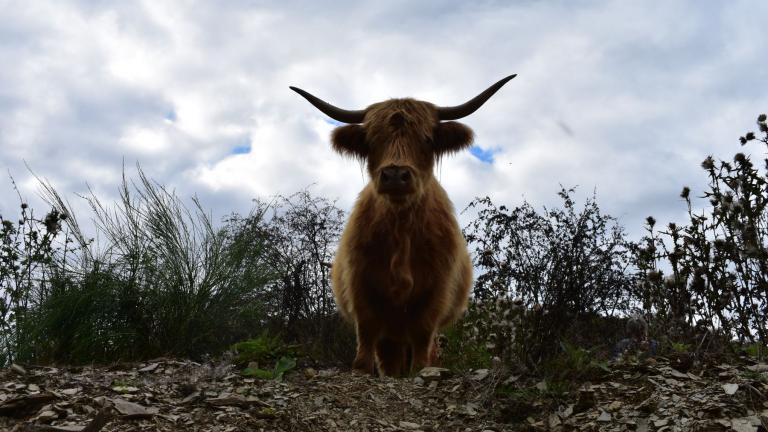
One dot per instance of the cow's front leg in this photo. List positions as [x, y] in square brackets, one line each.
[422, 341]
[367, 334]
[391, 355]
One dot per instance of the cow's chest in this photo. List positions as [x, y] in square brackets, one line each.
[400, 270]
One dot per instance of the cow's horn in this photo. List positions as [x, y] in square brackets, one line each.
[336, 113]
[467, 108]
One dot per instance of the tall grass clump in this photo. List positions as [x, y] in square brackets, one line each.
[160, 280]
[711, 274]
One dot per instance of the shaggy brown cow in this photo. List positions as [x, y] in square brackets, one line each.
[402, 270]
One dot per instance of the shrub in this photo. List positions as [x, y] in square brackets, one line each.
[560, 266]
[718, 276]
[301, 232]
[33, 252]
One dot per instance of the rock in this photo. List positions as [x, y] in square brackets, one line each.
[17, 369]
[195, 395]
[71, 391]
[151, 367]
[125, 389]
[24, 405]
[431, 373]
[67, 428]
[480, 374]
[604, 417]
[231, 399]
[47, 416]
[730, 388]
[760, 367]
[132, 410]
[746, 424]
[310, 373]
[554, 421]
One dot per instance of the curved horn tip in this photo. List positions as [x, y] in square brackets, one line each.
[336, 113]
[467, 108]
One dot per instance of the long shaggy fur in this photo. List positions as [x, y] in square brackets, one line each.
[402, 270]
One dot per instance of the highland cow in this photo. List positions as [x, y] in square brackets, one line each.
[402, 270]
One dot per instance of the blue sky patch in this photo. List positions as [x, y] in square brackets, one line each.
[244, 148]
[485, 156]
[170, 116]
[333, 122]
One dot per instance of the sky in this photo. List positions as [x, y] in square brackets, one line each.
[620, 98]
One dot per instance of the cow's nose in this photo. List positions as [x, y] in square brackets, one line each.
[395, 177]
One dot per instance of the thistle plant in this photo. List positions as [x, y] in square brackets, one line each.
[718, 262]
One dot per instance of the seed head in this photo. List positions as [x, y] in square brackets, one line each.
[24, 205]
[750, 136]
[740, 158]
[761, 118]
[650, 221]
[742, 140]
[708, 163]
[686, 191]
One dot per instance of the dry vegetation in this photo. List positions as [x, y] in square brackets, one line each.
[243, 316]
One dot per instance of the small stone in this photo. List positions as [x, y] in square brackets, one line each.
[760, 367]
[47, 416]
[17, 369]
[554, 421]
[71, 391]
[150, 368]
[33, 388]
[431, 373]
[327, 373]
[310, 373]
[125, 389]
[132, 410]
[480, 374]
[730, 388]
[418, 380]
[604, 417]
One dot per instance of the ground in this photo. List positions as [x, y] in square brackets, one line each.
[182, 395]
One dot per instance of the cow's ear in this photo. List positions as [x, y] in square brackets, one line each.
[451, 137]
[349, 140]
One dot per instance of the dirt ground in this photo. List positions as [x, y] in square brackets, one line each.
[182, 395]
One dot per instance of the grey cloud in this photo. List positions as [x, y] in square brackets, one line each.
[649, 88]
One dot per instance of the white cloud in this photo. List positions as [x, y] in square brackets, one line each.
[623, 97]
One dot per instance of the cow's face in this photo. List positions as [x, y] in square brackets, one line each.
[400, 139]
